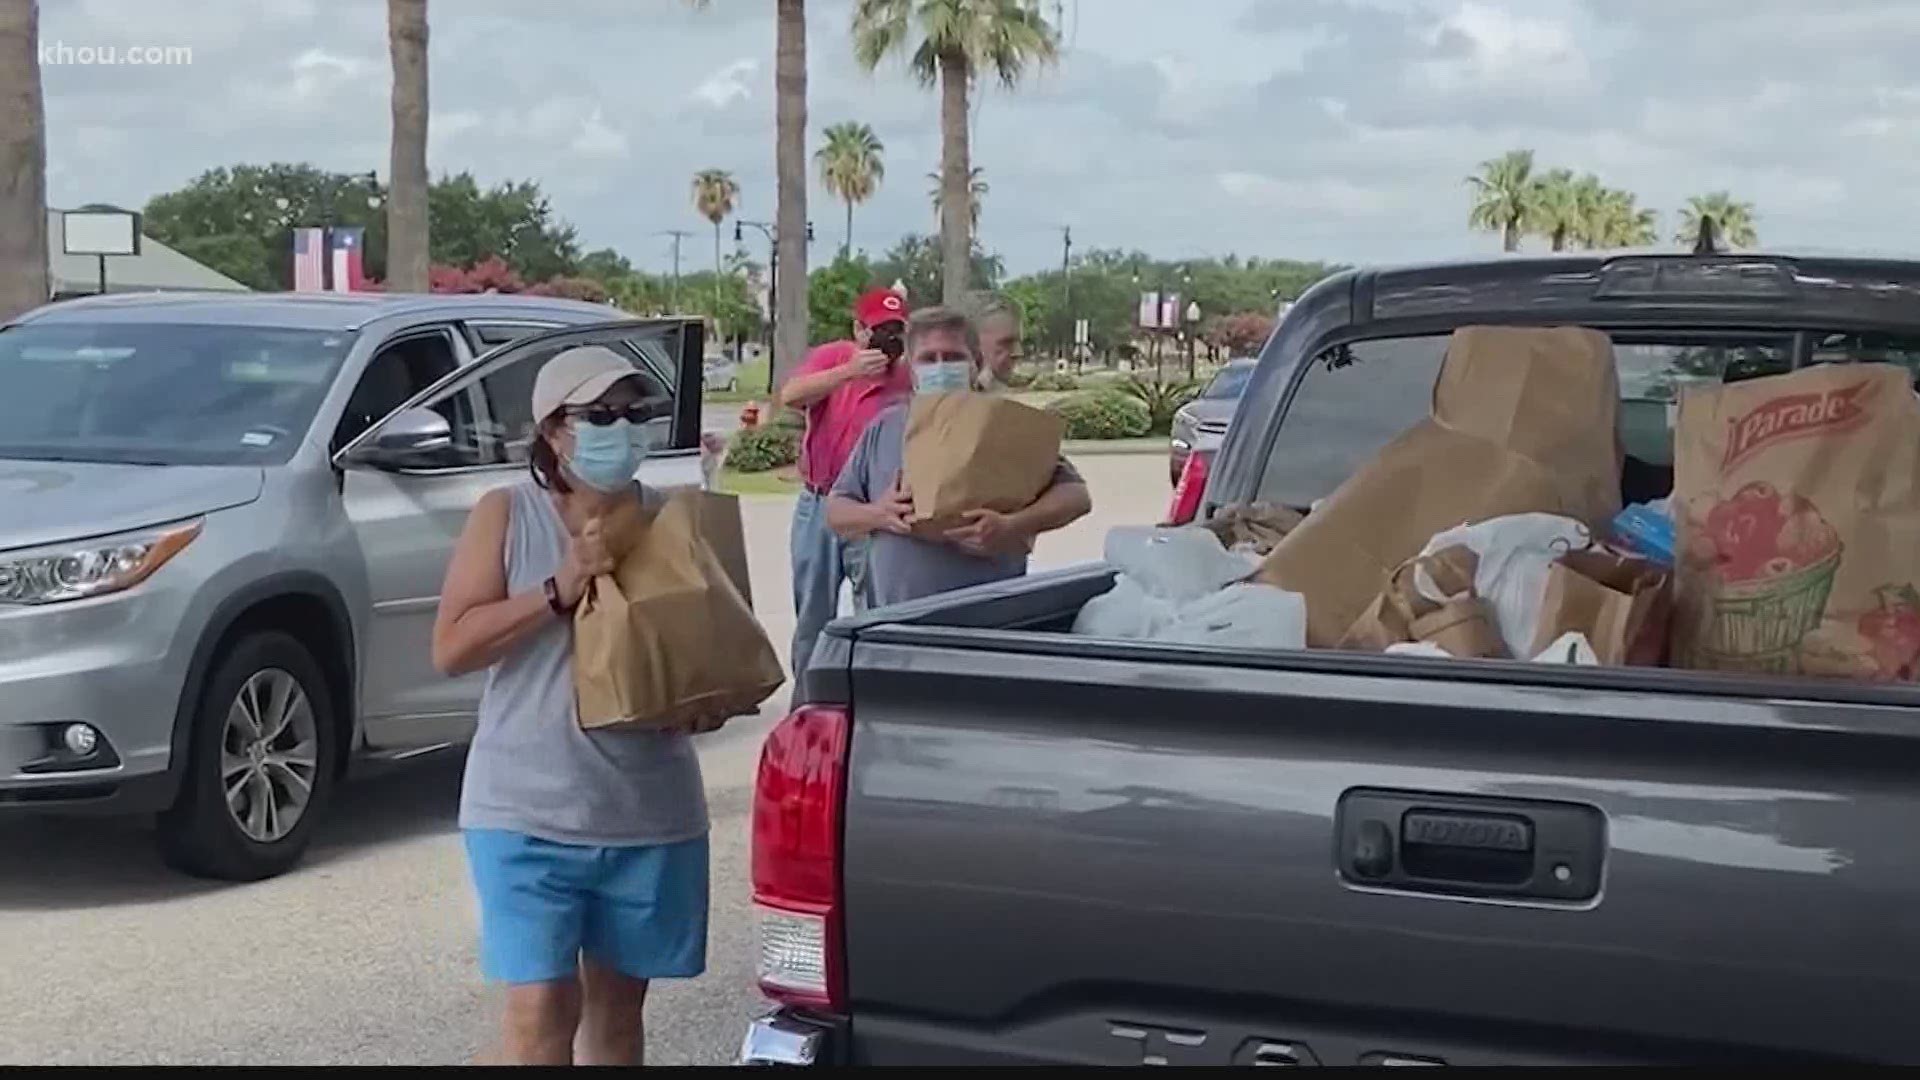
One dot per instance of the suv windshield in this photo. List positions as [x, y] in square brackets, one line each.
[1230, 383]
[162, 394]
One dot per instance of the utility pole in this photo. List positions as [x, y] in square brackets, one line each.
[678, 235]
[1066, 282]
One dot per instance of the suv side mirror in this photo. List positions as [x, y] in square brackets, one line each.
[402, 438]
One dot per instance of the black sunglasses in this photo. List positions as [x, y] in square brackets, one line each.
[600, 414]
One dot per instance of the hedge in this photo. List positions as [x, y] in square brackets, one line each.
[758, 449]
[1103, 414]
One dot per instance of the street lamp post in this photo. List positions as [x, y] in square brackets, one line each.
[1193, 321]
[768, 230]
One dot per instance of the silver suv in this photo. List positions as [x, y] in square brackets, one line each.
[223, 527]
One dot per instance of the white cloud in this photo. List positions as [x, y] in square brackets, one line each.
[1505, 49]
[727, 85]
[1316, 196]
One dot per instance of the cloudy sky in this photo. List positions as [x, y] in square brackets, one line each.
[1328, 129]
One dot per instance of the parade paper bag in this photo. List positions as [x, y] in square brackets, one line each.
[1523, 420]
[666, 640]
[969, 451]
[1797, 500]
[1620, 603]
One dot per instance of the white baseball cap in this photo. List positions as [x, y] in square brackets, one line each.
[577, 376]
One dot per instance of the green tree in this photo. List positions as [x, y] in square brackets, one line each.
[1619, 221]
[408, 229]
[605, 265]
[977, 190]
[851, 168]
[1556, 210]
[23, 162]
[1503, 197]
[1733, 221]
[953, 42]
[831, 291]
[916, 262]
[714, 193]
[513, 220]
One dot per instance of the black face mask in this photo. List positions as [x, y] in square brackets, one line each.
[890, 339]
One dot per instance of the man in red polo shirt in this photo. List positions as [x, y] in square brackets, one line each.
[841, 387]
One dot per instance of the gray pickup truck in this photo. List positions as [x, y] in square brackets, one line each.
[988, 841]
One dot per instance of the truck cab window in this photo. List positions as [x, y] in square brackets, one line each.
[1355, 398]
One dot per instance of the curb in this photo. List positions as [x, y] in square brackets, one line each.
[1085, 447]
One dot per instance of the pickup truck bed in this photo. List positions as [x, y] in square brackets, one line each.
[987, 840]
[1051, 855]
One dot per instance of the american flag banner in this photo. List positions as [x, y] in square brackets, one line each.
[309, 260]
[348, 273]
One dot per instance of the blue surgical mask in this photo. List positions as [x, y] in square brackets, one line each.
[943, 377]
[604, 456]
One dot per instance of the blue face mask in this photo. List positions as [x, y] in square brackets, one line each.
[604, 457]
[943, 377]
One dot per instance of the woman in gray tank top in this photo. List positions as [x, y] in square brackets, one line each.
[588, 848]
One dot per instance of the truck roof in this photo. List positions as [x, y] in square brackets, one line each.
[308, 310]
[1637, 285]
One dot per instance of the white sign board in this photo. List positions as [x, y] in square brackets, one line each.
[100, 232]
[1150, 310]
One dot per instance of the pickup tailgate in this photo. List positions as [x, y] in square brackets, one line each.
[1059, 850]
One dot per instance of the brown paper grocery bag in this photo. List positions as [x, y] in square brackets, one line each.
[666, 640]
[1622, 604]
[970, 451]
[1461, 625]
[719, 520]
[1797, 507]
[1523, 420]
[1261, 526]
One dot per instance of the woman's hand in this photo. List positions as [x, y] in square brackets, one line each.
[586, 559]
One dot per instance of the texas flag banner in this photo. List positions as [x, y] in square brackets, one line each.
[346, 272]
[309, 260]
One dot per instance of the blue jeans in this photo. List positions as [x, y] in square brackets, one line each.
[821, 560]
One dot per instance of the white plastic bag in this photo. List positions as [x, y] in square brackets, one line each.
[1125, 611]
[1177, 564]
[1571, 647]
[1515, 554]
[1418, 648]
[1247, 616]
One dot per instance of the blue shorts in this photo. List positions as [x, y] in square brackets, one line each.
[641, 911]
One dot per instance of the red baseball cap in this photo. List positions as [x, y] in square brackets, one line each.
[879, 306]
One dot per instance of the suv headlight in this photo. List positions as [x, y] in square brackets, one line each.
[86, 568]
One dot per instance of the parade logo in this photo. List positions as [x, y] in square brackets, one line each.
[1795, 416]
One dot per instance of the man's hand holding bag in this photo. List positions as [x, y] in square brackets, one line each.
[666, 640]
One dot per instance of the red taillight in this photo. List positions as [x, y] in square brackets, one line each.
[1193, 485]
[797, 803]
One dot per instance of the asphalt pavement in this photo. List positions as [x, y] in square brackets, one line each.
[365, 954]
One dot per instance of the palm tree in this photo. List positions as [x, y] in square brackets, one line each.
[976, 194]
[790, 172]
[1588, 196]
[851, 168]
[1556, 209]
[23, 162]
[1503, 195]
[957, 41]
[1619, 221]
[1733, 222]
[408, 243]
[714, 193]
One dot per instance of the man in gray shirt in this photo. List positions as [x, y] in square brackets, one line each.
[868, 500]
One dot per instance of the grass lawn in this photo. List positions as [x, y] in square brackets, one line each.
[772, 482]
[752, 385]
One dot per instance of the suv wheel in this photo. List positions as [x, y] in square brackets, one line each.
[260, 764]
